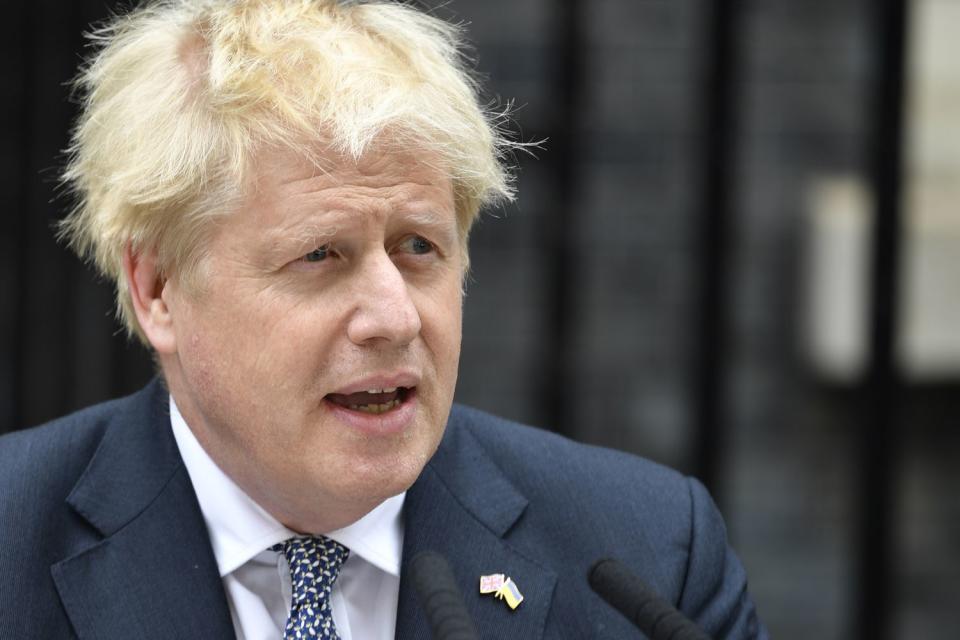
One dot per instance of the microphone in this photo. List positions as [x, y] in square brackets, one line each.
[653, 615]
[441, 599]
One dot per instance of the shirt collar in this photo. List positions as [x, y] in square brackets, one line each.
[240, 528]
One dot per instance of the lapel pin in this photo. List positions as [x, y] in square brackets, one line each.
[503, 588]
[490, 584]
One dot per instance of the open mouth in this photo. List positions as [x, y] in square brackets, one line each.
[374, 401]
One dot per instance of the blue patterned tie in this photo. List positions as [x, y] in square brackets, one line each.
[314, 565]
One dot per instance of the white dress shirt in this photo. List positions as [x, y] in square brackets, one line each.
[257, 580]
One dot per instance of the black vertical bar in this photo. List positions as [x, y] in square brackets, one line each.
[716, 210]
[877, 432]
[562, 276]
[26, 119]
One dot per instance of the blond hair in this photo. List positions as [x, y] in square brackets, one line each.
[180, 94]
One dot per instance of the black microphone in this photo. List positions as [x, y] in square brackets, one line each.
[656, 617]
[441, 599]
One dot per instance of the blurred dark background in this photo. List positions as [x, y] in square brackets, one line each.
[736, 253]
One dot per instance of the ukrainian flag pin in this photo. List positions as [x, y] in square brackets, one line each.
[510, 594]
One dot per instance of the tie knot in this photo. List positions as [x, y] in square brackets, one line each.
[315, 563]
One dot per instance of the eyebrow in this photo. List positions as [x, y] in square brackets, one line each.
[315, 234]
[434, 220]
[307, 237]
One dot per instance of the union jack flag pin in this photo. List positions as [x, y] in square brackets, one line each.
[491, 583]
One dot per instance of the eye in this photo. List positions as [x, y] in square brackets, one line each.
[417, 245]
[317, 255]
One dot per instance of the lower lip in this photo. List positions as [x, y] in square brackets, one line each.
[378, 424]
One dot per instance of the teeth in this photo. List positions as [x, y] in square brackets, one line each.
[376, 408]
[389, 390]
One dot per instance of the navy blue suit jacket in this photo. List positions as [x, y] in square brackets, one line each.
[102, 535]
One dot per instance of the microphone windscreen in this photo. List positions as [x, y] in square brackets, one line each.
[441, 598]
[653, 615]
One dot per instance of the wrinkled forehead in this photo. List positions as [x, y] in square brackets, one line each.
[273, 165]
[323, 174]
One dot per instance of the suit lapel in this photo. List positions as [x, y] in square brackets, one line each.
[153, 575]
[462, 506]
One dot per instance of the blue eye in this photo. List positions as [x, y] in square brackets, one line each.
[419, 245]
[317, 255]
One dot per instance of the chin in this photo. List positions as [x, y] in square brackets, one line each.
[384, 485]
[376, 480]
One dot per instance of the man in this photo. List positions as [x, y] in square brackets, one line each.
[282, 192]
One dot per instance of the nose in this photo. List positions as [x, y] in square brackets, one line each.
[384, 310]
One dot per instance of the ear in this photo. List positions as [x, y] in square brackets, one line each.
[147, 290]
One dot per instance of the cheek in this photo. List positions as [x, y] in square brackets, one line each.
[456, 327]
[446, 326]
[241, 326]
[206, 370]
[218, 352]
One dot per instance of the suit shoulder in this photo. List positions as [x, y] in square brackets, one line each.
[46, 460]
[529, 455]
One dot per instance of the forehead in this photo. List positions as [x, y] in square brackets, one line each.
[392, 175]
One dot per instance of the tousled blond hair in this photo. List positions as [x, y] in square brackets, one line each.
[180, 94]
